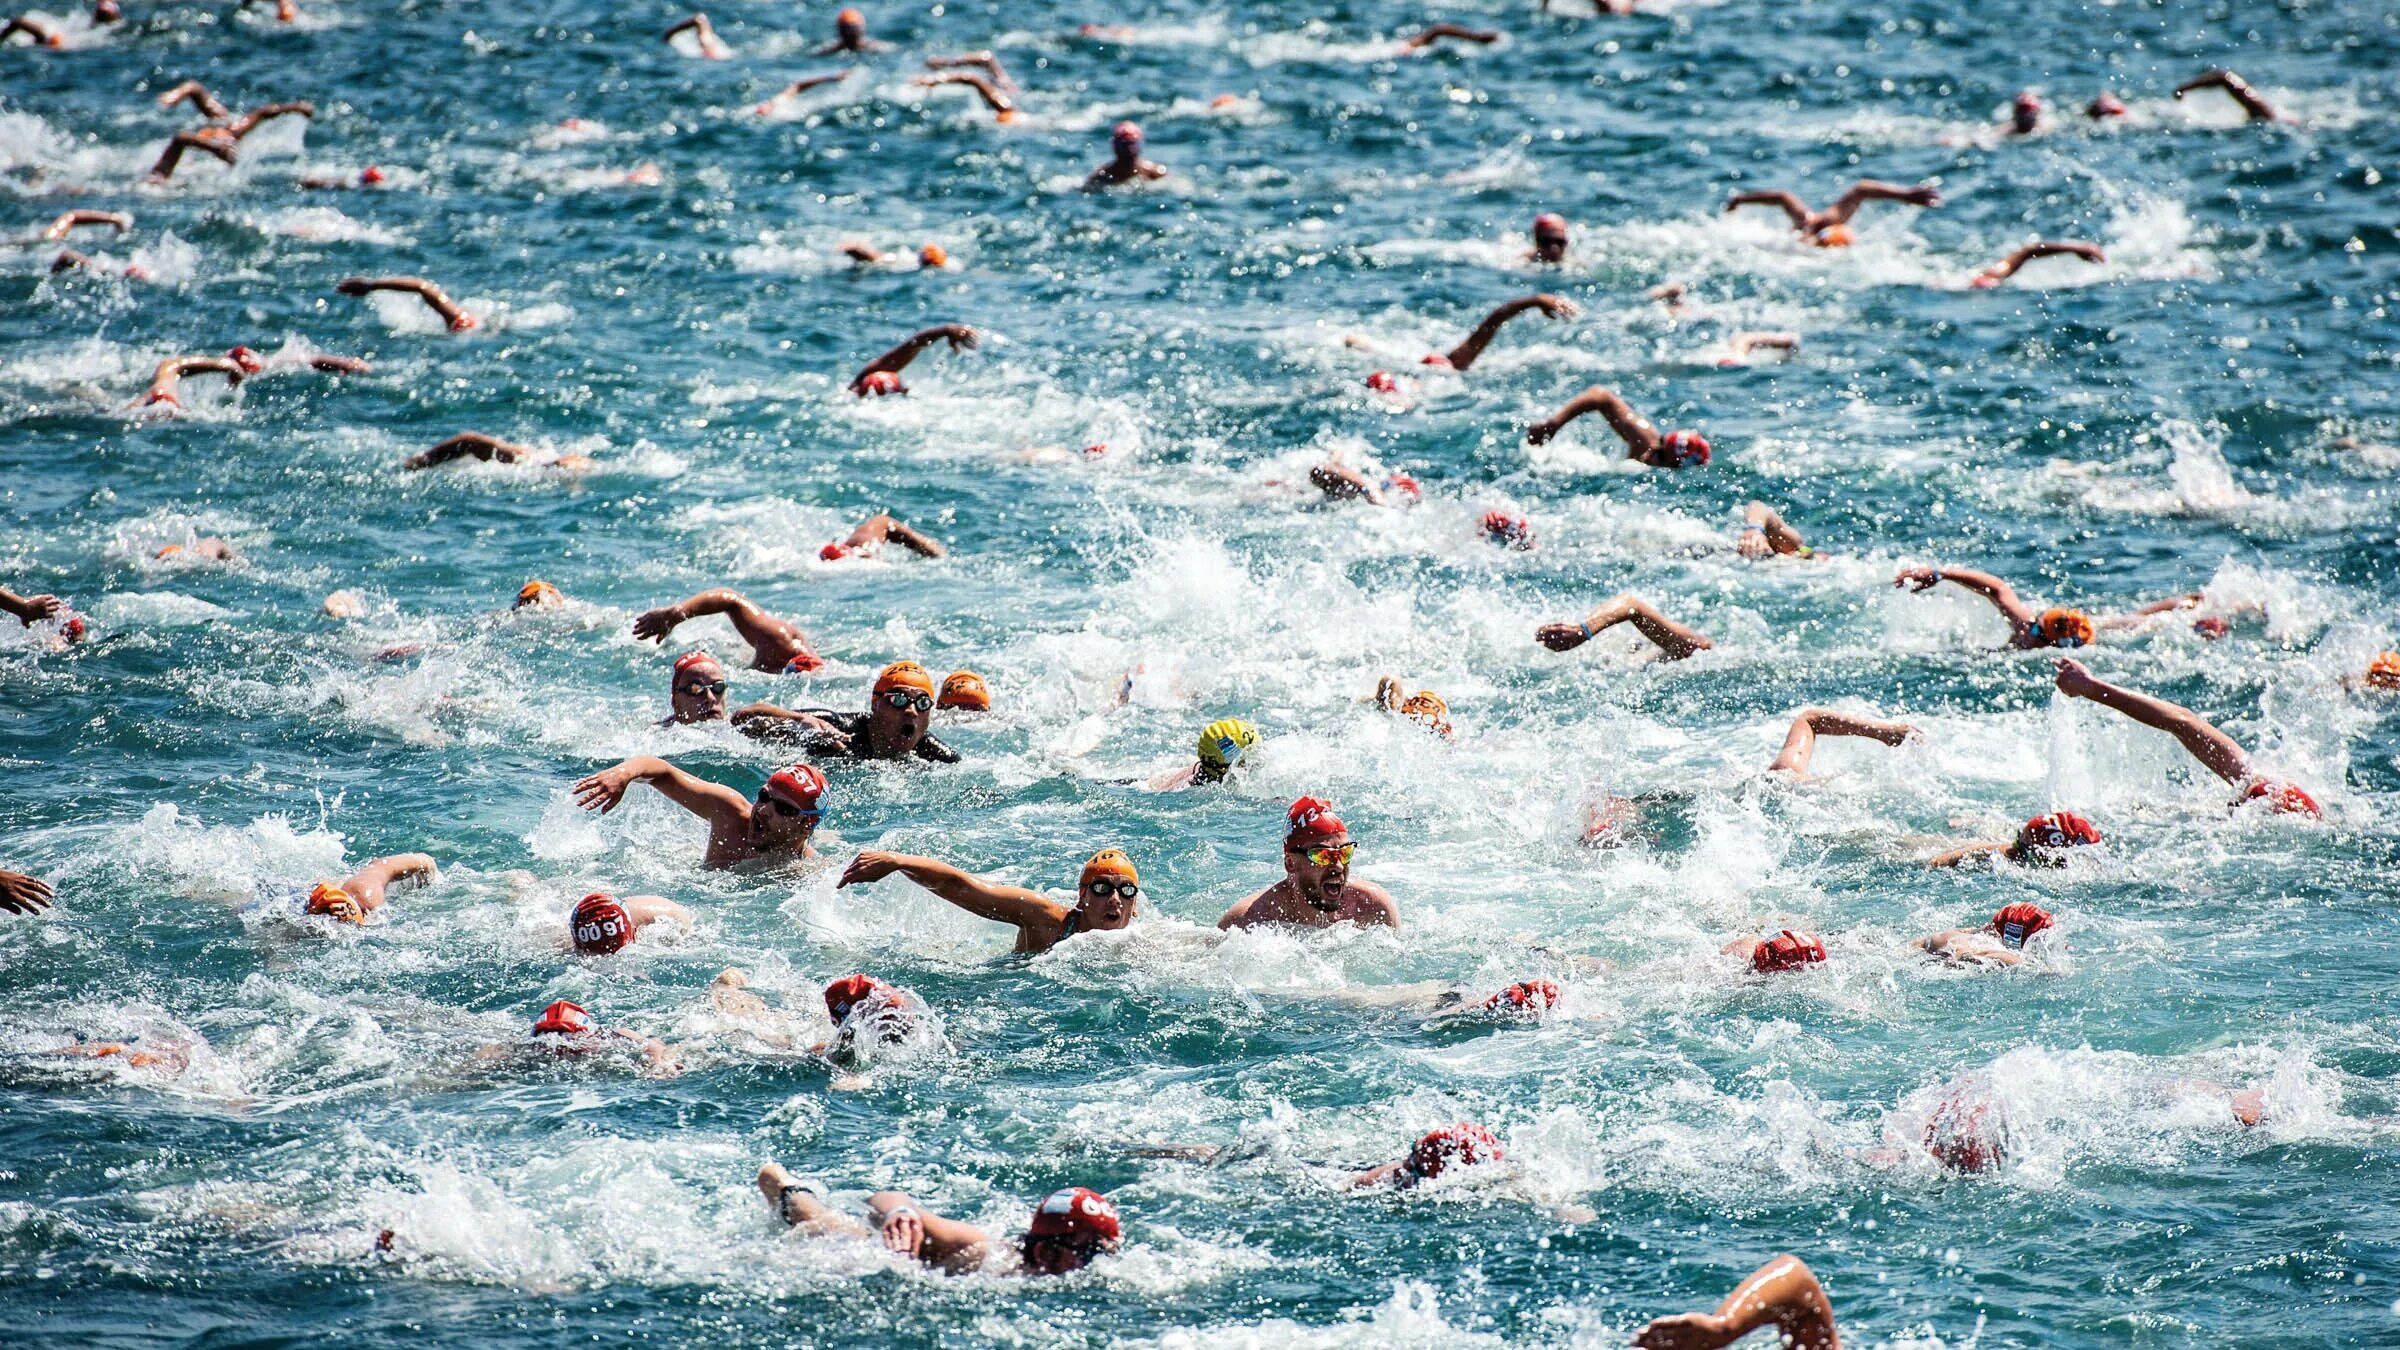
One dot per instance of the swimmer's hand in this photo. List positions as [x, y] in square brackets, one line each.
[604, 790]
[1562, 637]
[1541, 432]
[29, 609]
[1918, 578]
[21, 894]
[1684, 1331]
[659, 624]
[904, 1231]
[959, 335]
[868, 866]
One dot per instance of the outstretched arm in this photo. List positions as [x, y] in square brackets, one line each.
[1801, 741]
[465, 443]
[1990, 587]
[2222, 755]
[808, 82]
[1642, 440]
[1868, 190]
[2236, 88]
[256, 117]
[983, 899]
[984, 61]
[458, 319]
[58, 229]
[1783, 1293]
[1742, 344]
[763, 631]
[208, 140]
[992, 98]
[698, 26]
[1764, 532]
[1955, 857]
[875, 530]
[29, 609]
[1437, 32]
[958, 335]
[2007, 267]
[368, 883]
[175, 369]
[1674, 640]
[1790, 202]
[42, 34]
[339, 365]
[604, 790]
[1463, 355]
[202, 101]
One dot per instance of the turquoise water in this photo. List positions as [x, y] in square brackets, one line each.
[2170, 420]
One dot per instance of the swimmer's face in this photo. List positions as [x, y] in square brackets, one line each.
[901, 717]
[699, 693]
[850, 25]
[1105, 905]
[1320, 883]
[782, 823]
[1550, 242]
[1127, 139]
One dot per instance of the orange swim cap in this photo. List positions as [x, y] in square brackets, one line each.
[932, 256]
[965, 689]
[2384, 671]
[327, 898]
[849, 16]
[539, 593]
[905, 675]
[1108, 862]
[1224, 101]
[1005, 115]
[1834, 236]
[2064, 627]
[168, 551]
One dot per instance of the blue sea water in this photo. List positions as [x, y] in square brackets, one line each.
[2213, 408]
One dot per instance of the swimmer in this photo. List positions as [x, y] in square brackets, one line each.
[695, 690]
[1800, 743]
[538, 594]
[1106, 895]
[777, 646]
[1740, 345]
[30, 609]
[171, 1056]
[2024, 113]
[207, 548]
[578, 1034]
[1609, 821]
[1783, 1294]
[38, 33]
[370, 176]
[1424, 707]
[71, 220]
[1339, 482]
[286, 11]
[1675, 642]
[1317, 890]
[1071, 1228]
[216, 141]
[984, 61]
[254, 364]
[895, 725]
[1549, 239]
[869, 538]
[964, 691]
[2042, 842]
[2046, 248]
[2215, 750]
[704, 37]
[1765, 535]
[2105, 106]
[778, 824]
[850, 35]
[1672, 296]
[2000, 942]
[1126, 164]
[1451, 1146]
[801, 86]
[434, 296]
[930, 255]
[476, 445]
[1674, 450]
[1830, 228]
[882, 375]
[1003, 109]
[202, 101]
[2235, 88]
[168, 379]
[1462, 356]
[1776, 952]
[2382, 673]
[1224, 747]
[1439, 31]
[1507, 529]
[2028, 630]
[21, 894]
[603, 924]
[1615, 8]
[360, 894]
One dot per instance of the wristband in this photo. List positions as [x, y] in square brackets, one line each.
[1586, 630]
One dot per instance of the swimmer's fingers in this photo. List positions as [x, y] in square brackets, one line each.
[1557, 307]
[657, 623]
[868, 866]
[601, 792]
[40, 607]
[21, 894]
[352, 286]
[1560, 637]
[1917, 578]
[904, 1231]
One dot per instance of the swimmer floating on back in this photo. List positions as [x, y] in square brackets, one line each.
[1106, 895]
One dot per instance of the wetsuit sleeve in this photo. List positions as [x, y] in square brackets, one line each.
[929, 748]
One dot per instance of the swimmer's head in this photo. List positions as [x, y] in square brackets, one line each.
[1550, 237]
[2064, 628]
[1502, 527]
[328, 898]
[72, 627]
[1528, 996]
[106, 12]
[1786, 950]
[2018, 923]
[697, 690]
[1609, 821]
[2106, 106]
[599, 925]
[564, 1019]
[1126, 138]
[1834, 236]
[2211, 626]
[851, 25]
[790, 803]
[834, 552]
[2044, 838]
[965, 691]
[1383, 382]
[845, 994]
[2026, 113]
[877, 383]
[1404, 485]
[1316, 853]
[933, 255]
[2384, 671]
[535, 594]
[246, 359]
[1451, 1146]
[2282, 798]
[1224, 744]
[1682, 450]
[1223, 101]
[1070, 1228]
[1108, 890]
[802, 663]
[370, 176]
[1967, 1132]
[1426, 708]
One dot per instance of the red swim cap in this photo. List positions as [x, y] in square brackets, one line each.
[801, 785]
[1384, 382]
[1077, 1216]
[600, 925]
[1523, 996]
[1549, 222]
[462, 323]
[246, 359]
[1503, 528]
[2016, 924]
[1786, 950]
[2063, 829]
[834, 552]
[1965, 1135]
[877, 382]
[1682, 450]
[2211, 627]
[694, 657]
[803, 663]
[2282, 798]
[848, 992]
[1310, 819]
[1400, 482]
[370, 176]
[564, 1019]
[1466, 1145]
[71, 628]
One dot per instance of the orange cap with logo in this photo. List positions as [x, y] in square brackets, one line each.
[905, 675]
[1108, 862]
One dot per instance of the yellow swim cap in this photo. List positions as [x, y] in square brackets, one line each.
[1224, 742]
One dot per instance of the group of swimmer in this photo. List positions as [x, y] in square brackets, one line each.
[780, 821]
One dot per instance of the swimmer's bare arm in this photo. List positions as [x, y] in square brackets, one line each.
[2169, 605]
[1239, 915]
[768, 721]
[1868, 190]
[175, 369]
[425, 290]
[1382, 909]
[257, 117]
[209, 140]
[68, 260]
[763, 631]
[21, 894]
[203, 101]
[59, 228]
[1968, 947]
[2046, 248]
[1742, 344]
[1674, 641]
[339, 365]
[1800, 743]
[912, 1230]
[604, 790]
[2200, 738]
[984, 61]
[1764, 524]
[368, 883]
[1641, 439]
[1783, 1294]
[1341, 482]
[2236, 88]
[808, 82]
[1963, 853]
[1990, 587]
[958, 335]
[1789, 202]
[29, 609]
[1463, 355]
[42, 34]
[879, 529]
[992, 97]
[1012, 905]
[697, 25]
[464, 444]
[1437, 32]
[1376, 1176]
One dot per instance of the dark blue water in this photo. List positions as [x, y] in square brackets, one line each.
[2173, 419]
